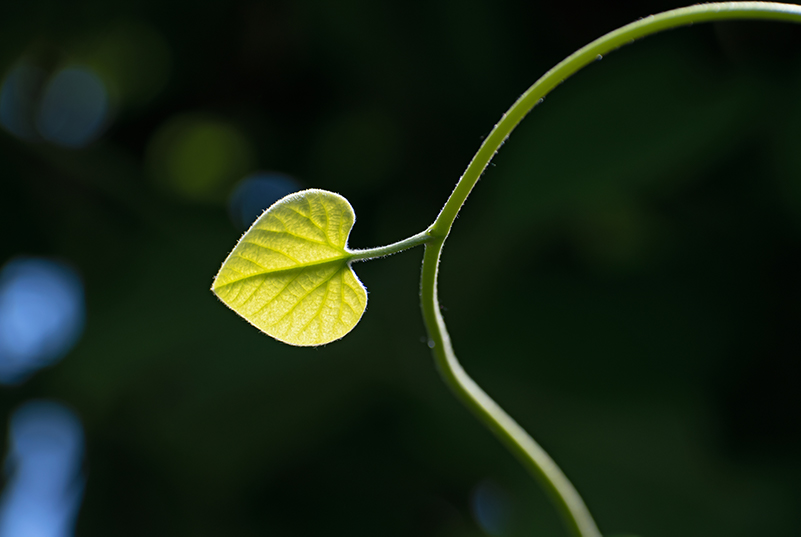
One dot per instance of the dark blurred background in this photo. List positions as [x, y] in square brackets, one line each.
[624, 280]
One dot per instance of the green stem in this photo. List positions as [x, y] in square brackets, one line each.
[512, 435]
[581, 58]
[569, 503]
[382, 251]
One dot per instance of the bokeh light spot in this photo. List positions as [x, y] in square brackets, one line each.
[74, 108]
[491, 508]
[257, 192]
[19, 98]
[44, 492]
[198, 159]
[41, 315]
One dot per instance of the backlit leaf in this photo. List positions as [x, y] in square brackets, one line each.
[290, 273]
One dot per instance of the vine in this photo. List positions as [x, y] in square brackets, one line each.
[291, 275]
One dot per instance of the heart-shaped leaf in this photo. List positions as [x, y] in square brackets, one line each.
[290, 273]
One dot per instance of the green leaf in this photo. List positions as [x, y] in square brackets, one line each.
[290, 273]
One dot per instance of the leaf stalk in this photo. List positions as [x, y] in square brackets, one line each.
[382, 251]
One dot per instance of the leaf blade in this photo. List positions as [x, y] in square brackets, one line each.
[289, 275]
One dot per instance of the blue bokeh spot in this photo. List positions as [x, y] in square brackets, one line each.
[42, 314]
[257, 192]
[491, 508]
[45, 482]
[74, 108]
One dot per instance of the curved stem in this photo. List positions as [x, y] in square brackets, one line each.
[512, 435]
[583, 57]
[534, 458]
[382, 251]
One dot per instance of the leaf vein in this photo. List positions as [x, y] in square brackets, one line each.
[311, 212]
[327, 223]
[256, 290]
[240, 256]
[341, 298]
[272, 250]
[276, 295]
[296, 304]
[319, 310]
[301, 237]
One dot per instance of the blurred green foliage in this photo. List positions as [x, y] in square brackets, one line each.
[656, 202]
